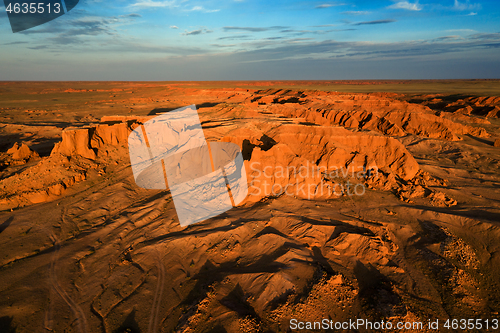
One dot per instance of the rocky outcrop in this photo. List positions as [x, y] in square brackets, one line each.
[21, 152]
[18, 155]
[45, 181]
[87, 142]
[375, 112]
[475, 109]
[488, 107]
[296, 144]
[81, 150]
[104, 135]
[75, 142]
[317, 162]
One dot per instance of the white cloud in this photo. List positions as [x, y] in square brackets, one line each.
[202, 9]
[406, 5]
[460, 30]
[466, 5]
[196, 32]
[328, 5]
[448, 38]
[356, 12]
[174, 27]
[182, 5]
[153, 4]
[325, 25]
[472, 14]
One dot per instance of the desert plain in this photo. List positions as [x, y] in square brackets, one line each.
[415, 236]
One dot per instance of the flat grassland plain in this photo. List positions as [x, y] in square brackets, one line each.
[414, 236]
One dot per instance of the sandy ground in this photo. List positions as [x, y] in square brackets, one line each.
[84, 249]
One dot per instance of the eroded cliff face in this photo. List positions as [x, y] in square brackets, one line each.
[377, 112]
[304, 159]
[71, 159]
[359, 206]
[352, 133]
[307, 161]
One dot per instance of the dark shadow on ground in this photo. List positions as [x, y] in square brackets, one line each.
[476, 214]
[247, 146]
[4, 226]
[206, 105]
[157, 111]
[7, 141]
[487, 142]
[441, 105]
[6, 325]
[44, 146]
[130, 325]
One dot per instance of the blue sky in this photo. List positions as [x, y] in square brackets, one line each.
[258, 40]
